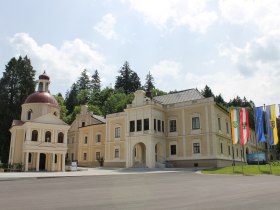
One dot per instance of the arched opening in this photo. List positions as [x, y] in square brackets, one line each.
[42, 163]
[60, 137]
[40, 87]
[34, 136]
[29, 114]
[48, 136]
[139, 155]
[55, 113]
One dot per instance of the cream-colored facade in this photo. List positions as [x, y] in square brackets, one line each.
[181, 129]
[39, 139]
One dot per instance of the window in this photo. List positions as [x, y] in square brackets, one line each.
[195, 123]
[83, 124]
[222, 150]
[48, 136]
[85, 156]
[55, 113]
[155, 124]
[85, 140]
[34, 136]
[117, 153]
[219, 124]
[172, 125]
[196, 148]
[29, 114]
[173, 149]
[97, 155]
[55, 158]
[227, 127]
[159, 125]
[98, 138]
[72, 156]
[162, 126]
[132, 126]
[117, 132]
[40, 88]
[228, 150]
[29, 157]
[139, 125]
[146, 124]
[60, 137]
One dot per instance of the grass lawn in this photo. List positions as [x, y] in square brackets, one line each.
[247, 169]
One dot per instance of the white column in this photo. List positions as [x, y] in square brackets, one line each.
[63, 162]
[38, 161]
[26, 161]
[53, 159]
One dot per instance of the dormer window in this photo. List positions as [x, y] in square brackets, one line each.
[29, 114]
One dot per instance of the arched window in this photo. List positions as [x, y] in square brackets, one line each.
[48, 137]
[34, 136]
[60, 137]
[29, 114]
[40, 88]
[55, 113]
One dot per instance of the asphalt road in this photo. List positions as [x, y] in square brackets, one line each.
[180, 190]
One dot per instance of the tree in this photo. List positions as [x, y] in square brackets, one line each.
[71, 98]
[17, 83]
[149, 85]
[95, 81]
[117, 102]
[83, 82]
[63, 110]
[128, 80]
[207, 92]
[219, 99]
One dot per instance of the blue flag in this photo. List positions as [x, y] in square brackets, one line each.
[259, 124]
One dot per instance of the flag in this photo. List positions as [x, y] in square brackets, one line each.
[271, 125]
[244, 125]
[259, 124]
[235, 125]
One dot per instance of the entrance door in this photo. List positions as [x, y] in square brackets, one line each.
[42, 165]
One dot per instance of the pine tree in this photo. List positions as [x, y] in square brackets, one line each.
[71, 98]
[83, 82]
[149, 85]
[207, 92]
[128, 80]
[95, 81]
[17, 83]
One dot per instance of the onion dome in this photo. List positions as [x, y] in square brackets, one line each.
[42, 97]
[44, 76]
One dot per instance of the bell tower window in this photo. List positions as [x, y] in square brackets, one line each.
[41, 86]
[29, 114]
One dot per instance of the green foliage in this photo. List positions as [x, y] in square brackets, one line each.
[95, 110]
[128, 80]
[95, 82]
[207, 92]
[63, 110]
[16, 84]
[71, 98]
[149, 85]
[83, 97]
[84, 82]
[157, 92]
[116, 103]
[247, 169]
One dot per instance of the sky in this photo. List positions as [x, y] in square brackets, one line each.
[231, 46]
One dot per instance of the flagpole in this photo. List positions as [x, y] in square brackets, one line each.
[242, 155]
[233, 161]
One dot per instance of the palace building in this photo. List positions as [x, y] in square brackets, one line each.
[39, 138]
[181, 129]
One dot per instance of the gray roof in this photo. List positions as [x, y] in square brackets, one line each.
[99, 118]
[180, 96]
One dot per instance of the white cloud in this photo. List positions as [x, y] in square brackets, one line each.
[166, 13]
[257, 65]
[264, 14]
[107, 26]
[65, 64]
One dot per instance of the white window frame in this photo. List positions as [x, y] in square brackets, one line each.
[96, 138]
[195, 131]
[171, 144]
[196, 141]
[117, 148]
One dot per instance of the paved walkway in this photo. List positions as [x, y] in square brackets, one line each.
[92, 172]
